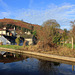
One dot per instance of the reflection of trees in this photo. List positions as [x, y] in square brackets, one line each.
[48, 67]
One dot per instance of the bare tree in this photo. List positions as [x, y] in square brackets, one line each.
[46, 33]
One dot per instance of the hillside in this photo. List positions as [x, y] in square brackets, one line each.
[6, 21]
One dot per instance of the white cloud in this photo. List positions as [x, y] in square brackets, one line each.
[62, 13]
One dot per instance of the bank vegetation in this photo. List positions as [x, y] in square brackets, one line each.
[50, 39]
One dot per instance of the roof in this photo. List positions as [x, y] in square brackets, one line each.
[10, 38]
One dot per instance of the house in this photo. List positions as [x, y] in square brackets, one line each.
[13, 31]
[3, 31]
[4, 40]
[10, 40]
[7, 39]
[8, 32]
[31, 41]
[7, 36]
[28, 33]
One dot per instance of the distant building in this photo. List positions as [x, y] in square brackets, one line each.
[28, 33]
[8, 32]
[7, 39]
[31, 41]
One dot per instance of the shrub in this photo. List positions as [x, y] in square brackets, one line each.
[17, 40]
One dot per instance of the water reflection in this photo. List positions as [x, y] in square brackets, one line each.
[7, 57]
[18, 63]
[48, 67]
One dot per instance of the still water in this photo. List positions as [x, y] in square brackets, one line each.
[18, 64]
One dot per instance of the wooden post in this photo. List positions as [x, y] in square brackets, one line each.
[72, 42]
[72, 67]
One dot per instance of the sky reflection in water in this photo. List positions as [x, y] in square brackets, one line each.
[32, 66]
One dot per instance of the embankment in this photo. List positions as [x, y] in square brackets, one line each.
[42, 55]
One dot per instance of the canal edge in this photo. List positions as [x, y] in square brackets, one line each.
[70, 59]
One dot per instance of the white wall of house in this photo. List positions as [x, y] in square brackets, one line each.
[13, 32]
[28, 33]
[4, 28]
[3, 32]
[4, 40]
[8, 33]
[30, 41]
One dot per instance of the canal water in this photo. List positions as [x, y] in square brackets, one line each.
[19, 64]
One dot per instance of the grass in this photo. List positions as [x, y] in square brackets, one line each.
[61, 50]
[11, 46]
[69, 45]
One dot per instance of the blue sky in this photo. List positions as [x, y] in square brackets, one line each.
[38, 11]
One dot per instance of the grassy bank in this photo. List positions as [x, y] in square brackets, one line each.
[60, 50]
[11, 46]
[69, 45]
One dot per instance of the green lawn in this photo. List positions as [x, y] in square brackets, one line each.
[11, 46]
[20, 47]
[69, 45]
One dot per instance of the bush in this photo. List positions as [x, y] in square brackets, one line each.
[17, 40]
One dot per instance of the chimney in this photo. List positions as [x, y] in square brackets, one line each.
[14, 28]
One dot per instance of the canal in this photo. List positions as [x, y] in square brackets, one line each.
[22, 64]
